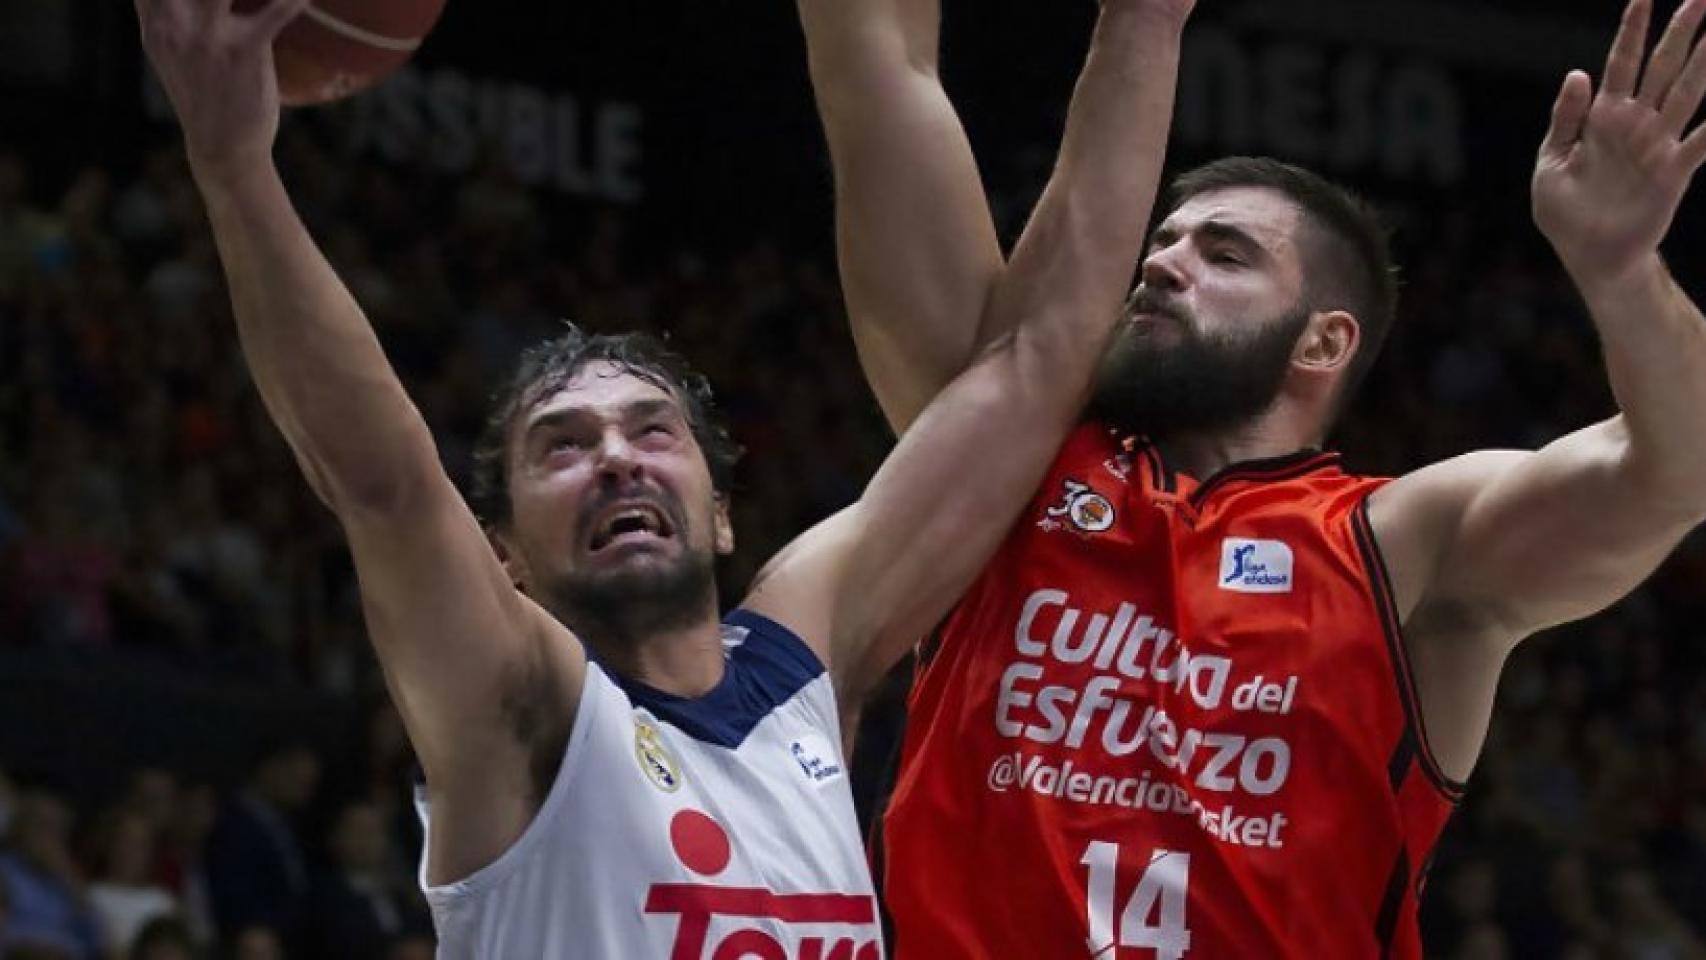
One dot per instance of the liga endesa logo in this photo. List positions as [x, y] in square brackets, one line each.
[703, 847]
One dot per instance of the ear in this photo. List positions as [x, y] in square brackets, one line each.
[509, 556]
[1329, 342]
[724, 532]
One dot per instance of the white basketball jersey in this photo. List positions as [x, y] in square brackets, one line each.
[684, 829]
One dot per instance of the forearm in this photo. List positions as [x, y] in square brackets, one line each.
[916, 243]
[311, 351]
[1654, 339]
[1062, 292]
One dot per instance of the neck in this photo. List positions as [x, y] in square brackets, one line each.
[684, 658]
[1202, 454]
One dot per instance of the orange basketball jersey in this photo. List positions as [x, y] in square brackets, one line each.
[1172, 719]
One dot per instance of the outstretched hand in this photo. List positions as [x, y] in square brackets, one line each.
[1615, 166]
[217, 68]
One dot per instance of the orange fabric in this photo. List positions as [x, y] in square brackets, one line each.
[1169, 720]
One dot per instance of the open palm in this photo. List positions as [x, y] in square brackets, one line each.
[1614, 166]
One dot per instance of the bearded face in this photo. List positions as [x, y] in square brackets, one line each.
[647, 584]
[1163, 376]
[616, 522]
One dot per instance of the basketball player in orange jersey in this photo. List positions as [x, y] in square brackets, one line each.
[613, 772]
[1215, 697]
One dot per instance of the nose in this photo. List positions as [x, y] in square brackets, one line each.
[618, 461]
[1163, 270]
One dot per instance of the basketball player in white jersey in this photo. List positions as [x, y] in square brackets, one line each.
[613, 772]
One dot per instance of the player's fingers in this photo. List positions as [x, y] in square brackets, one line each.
[1672, 51]
[266, 23]
[1623, 63]
[1694, 150]
[1682, 101]
[1569, 114]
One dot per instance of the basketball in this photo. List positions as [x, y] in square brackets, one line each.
[337, 47]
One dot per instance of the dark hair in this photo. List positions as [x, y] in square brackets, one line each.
[163, 931]
[545, 367]
[1350, 258]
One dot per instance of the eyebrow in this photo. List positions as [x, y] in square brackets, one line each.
[634, 410]
[1214, 230]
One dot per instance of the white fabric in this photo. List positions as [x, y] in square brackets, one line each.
[123, 911]
[597, 875]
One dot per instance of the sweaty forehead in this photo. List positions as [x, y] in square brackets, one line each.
[1261, 212]
[601, 389]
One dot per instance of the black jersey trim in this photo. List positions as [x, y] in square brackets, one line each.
[1386, 921]
[1267, 470]
[1416, 732]
[1161, 476]
[1403, 758]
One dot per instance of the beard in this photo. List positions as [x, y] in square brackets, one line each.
[1195, 384]
[643, 597]
[628, 604]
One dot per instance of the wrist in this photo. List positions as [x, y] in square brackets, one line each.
[231, 175]
[1153, 14]
[1607, 288]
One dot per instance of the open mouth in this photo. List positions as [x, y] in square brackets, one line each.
[632, 523]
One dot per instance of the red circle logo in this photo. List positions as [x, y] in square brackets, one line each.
[700, 842]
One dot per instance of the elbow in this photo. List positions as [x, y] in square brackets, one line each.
[1669, 479]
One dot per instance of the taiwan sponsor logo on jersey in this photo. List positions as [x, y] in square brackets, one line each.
[817, 761]
[1255, 566]
[716, 921]
[1086, 510]
[655, 759]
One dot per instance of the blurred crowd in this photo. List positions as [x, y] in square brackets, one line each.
[146, 503]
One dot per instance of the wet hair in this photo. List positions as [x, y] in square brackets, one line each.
[546, 367]
[1349, 256]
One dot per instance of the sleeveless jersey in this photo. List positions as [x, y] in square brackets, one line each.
[1171, 719]
[678, 828]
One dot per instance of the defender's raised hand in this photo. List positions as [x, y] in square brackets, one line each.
[217, 67]
[1614, 166]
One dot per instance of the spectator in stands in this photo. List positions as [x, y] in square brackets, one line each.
[125, 895]
[1647, 928]
[256, 869]
[49, 902]
[164, 938]
[183, 859]
[257, 942]
[360, 905]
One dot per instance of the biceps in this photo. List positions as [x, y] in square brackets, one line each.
[1560, 535]
[450, 630]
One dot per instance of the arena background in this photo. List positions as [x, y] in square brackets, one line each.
[190, 718]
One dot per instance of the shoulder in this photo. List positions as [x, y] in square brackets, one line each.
[1415, 518]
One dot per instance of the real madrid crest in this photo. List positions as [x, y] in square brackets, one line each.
[655, 759]
[1086, 509]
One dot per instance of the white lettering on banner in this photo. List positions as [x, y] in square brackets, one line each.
[545, 139]
[1348, 112]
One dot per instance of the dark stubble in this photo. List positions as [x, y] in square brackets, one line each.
[633, 602]
[1191, 383]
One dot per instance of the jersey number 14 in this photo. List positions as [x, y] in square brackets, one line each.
[1154, 915]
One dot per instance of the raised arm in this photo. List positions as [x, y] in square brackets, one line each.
[870, 581]
[917, 246]
[1489, 548]
[450, 630]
